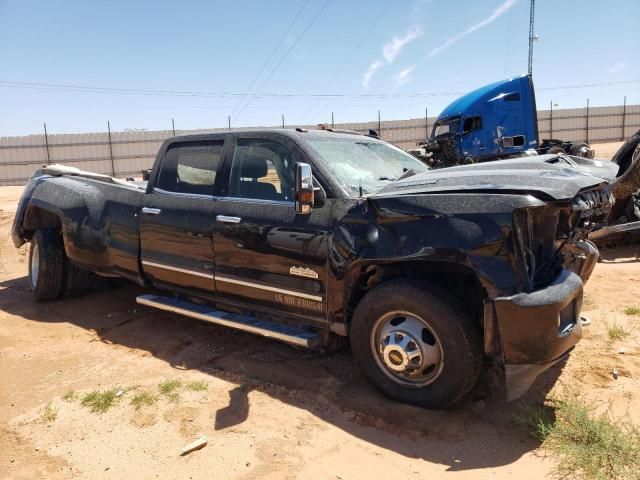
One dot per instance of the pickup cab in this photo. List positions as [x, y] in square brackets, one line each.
[310, 237]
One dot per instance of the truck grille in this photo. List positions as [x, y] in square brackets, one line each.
[541, 235]
[593, 205]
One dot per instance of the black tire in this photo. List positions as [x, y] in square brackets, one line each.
[458, 335]
[623, 157]
[76, 280]
[46, 277]
[556, 151]
[632, 210]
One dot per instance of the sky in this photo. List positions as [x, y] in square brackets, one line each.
[139, 64]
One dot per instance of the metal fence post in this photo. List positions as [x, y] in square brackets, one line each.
[113, 166]
[426, 122]
[624, 116]
[46, 142]
[587, 140]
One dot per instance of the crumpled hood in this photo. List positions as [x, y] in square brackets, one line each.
[526, 175]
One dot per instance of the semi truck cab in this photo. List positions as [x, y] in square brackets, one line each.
[496, 121]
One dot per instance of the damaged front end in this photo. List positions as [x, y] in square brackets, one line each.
[540, 323]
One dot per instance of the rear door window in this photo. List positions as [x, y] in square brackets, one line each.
[190, 168]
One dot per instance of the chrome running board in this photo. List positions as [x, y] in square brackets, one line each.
[284, 333]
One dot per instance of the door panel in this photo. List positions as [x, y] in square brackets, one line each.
[266, 253]
[272, 256]
[177, 219]
[177, 244]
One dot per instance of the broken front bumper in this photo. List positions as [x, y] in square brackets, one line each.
[538, 328]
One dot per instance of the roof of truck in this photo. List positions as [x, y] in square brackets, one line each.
[487, 92]
[289, 132]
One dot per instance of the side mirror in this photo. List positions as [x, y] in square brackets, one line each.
[304, 194]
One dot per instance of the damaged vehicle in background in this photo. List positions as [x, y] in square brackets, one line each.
[312, 237]
[499, 121]
[623, 223]
[494, 122]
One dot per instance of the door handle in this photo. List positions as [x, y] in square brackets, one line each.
[226, 219]
[151, 211]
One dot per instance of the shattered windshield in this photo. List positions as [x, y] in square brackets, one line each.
[365, 165]
[450, 126]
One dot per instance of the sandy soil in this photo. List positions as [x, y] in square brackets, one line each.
[269, 411]
[606, 150]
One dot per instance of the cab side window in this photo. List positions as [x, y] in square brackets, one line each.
[263, 170]
[471, 124]
[190, 167]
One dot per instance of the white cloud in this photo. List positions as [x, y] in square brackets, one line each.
[390, 52]
[373, 68]
[404, 76]
[497, 13]
[393, 47]
[616, 67]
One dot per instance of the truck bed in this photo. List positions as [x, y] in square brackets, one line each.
[98, 214]
[58, 170]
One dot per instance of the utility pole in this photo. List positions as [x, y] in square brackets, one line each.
[282, 120]
[532, 35]
[333, 125]
[229, 121]
[173, 127]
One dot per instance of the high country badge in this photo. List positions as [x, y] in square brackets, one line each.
[303, 272]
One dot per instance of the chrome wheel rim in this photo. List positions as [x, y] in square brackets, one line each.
[35, 264]
[407, 349]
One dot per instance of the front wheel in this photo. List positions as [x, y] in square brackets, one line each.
[416, 344]
[46, 265]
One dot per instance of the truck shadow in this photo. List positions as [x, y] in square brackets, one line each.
[479, 433]
[623, 254]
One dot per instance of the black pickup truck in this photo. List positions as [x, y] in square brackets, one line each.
[312, 236]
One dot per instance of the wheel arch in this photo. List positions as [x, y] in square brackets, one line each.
[37, 217]
[459, 279]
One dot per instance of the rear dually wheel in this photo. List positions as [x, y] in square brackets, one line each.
[46, 265]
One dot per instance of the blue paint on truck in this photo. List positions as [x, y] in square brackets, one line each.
[496, 121]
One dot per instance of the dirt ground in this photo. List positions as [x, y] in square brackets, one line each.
[269, 411]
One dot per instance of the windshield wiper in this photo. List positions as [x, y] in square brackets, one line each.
[408, 173]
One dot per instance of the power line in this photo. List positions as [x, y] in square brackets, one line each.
[293, 45]
[275, 49]
[350, 55]
[178, 93]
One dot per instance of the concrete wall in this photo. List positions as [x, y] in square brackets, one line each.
[129, 152]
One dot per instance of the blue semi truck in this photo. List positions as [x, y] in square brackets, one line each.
[496, 121]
